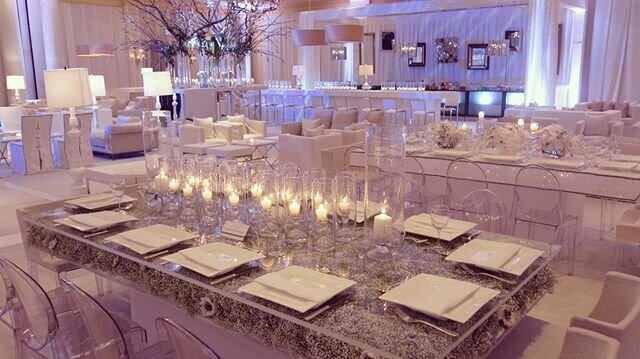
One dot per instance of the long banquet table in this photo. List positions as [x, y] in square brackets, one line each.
[241, 326]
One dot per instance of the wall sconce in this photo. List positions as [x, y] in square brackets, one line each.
[338, 53]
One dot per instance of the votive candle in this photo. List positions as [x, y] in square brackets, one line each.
[321, 213]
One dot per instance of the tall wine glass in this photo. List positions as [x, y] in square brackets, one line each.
[439, 218]
[361, 243]
[118, 186]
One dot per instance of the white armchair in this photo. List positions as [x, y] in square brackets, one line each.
[75, 151]
[306, 151]
[585, 344]
[10, 118]
[617, 313]
[33, 154]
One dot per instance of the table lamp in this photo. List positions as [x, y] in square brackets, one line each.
[16, 82]
[366, 71]
[157, 84]
[97, 86]
[298, 72]
[146, 69]
[68, 88]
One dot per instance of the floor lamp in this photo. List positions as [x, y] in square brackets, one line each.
[158, 84]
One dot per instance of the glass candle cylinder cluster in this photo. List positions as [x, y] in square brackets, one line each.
[384, 190]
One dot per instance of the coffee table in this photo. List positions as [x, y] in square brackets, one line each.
[261, 148]
[231, 152]
[132, 172]
[201, 148]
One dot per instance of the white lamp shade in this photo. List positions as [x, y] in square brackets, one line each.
[146, 69]
[298, 70]
[309, 37]
[67, 88]
[344, 33]
[15, 82]
[97, 85]
[365, 70]
[157, 83]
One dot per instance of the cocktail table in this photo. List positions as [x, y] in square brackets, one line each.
[201, 148]
[132, 172]
[261, 148]
[231, 152]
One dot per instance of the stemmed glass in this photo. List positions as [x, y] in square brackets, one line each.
[118, 186]
[439, 218]
[149, 195]
[346, 202]
[361, 243]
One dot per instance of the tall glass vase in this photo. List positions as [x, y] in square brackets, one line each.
[160, 140]
[183, 71]
[384, 190]
[204, 71]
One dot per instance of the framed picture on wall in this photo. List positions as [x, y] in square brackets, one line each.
[368, 50]
[477, 57]
[388, 40]
[418, 58]
[338, 53]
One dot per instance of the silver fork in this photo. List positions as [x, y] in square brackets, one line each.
[475, 272]
[409, 319]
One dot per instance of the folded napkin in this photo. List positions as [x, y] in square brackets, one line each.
[99, 198]
[617, 166]
[98, 220]
[495, 255]
[424, 220]
[308, 290]
[568, 164]
[156, 236]
[431, 295]
[215, 260]
[451, 153]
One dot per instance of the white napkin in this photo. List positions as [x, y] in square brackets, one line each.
[99, 198]
[216, 261]
[617, 166]
[98, 220]
[495, 256]
[306, 290]
[431, 295]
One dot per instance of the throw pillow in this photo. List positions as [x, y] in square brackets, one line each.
[325, 117]
[623, 107]
[596, 105]
[309, 124]
[236, 118]
[313, 132]
[375, 117]
[608, 106]
[207, 124]
[342, 119]
[596, 126]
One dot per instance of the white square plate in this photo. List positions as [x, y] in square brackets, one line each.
[98, 201]
[441, 298]
[213, 259]
[297, 288]
[484, 254]
[90, 222]
[421, 225]
[152, 238]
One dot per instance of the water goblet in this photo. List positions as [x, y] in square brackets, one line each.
[439, 218]
[118, 186]
[361, 243]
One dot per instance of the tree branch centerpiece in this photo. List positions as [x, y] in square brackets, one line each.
[218, 34]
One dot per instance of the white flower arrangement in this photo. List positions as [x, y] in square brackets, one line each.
[447, 135]
[556, 141]
[506, 138]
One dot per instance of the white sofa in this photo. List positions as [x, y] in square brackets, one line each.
[306, 151]
[233, 128]
[571, 119]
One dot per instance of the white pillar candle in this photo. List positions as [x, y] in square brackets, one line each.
[321, 213]
[207, 195]
[256, 190]
[234, 199]
[481, 114]
[174, 184]
[345, 204]
[294, 208]
[266, 203]
[317, 198]
[381, 225]
[162, 182]
[187, 190]
[192, 180]
[521, 122]
[534, 127]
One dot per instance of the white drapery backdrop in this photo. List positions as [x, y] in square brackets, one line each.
[10, 48]
[542, 53]
[614, 72]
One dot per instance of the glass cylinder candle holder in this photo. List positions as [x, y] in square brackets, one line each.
[254, 187]
[158, 138]
[169, 178]
[322, 216]
[208, 195]
[346, 206]
[233, 192]
[384, 190]
[292, 196]
[309, 175]
[189, 182]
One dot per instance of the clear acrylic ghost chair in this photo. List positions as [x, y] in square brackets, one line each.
[105, 340]
[585, 344]
[538, 201]
[416, 198]
[38, 328]
[487, 210]
[463, 177]
[617, 313]
[6, 292]
[177, 342]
